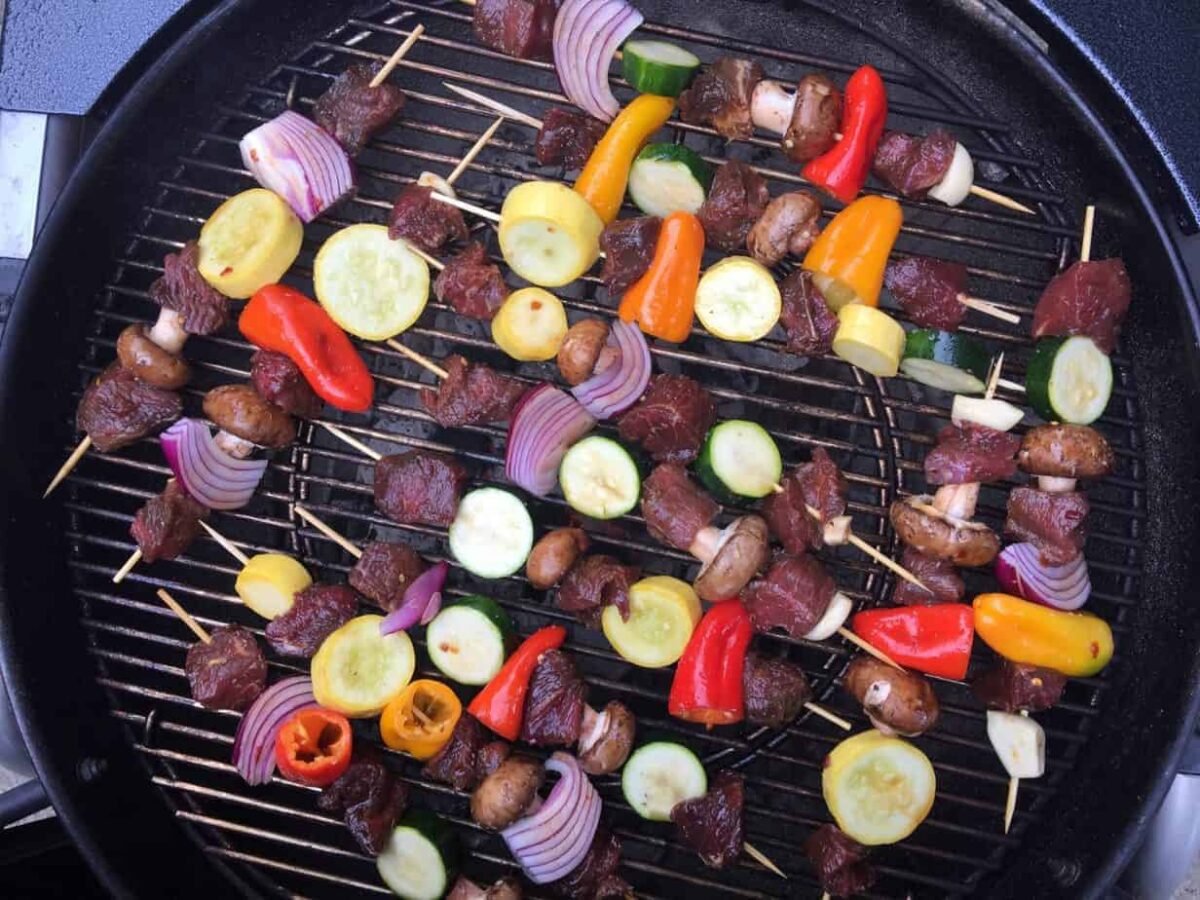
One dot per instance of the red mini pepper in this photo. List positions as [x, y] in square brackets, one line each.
[843, 171]
[935, 639]
[708, 680]
[501, 705]
[282, 319]
[313, 747]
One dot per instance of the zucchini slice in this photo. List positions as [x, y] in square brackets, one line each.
[357, 670]
[656, 67]
[421, 857]
[492, 533]
[658, 776]
[600, 478]
[946, 361]
[739, 458]
[870, 339]
[738, 300]
[468, 640]
[667, 178]
[1069, 380]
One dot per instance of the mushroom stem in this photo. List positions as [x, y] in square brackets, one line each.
[168, 331]
[706, 544]
[238, 448]
[957, 500]
[836, 531]
[1053, 484]
[593, 726]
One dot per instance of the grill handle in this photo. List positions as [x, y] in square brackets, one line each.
[21, 801]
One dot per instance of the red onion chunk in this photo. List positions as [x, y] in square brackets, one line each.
[207, 473]
[421, 602]
[587, 34]
[1020, 571]
[299, 161]
[544, 425]
[618, 386]
[554, 839]
[254, 743]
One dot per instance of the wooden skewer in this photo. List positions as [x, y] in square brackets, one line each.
[873, 552]
[495, 105]
[394, 59]
[989, 309]
[345, 543]
[476, 148]
[72, 461]
[1010, 802]
[420, 359]
[1001, 200]
[1010, 385]
[868, 648]
[467, 207]
[1085, 244]
[133, 560]
[825, 714]
[994, 377]
[225, 543]
[183, 614]
[826, 896]
[762, 859]
[348, 439]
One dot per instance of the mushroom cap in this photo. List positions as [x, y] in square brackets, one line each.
[507, 792]
[901, 700]
[606, 739]
[919, 525]
[581, 349]
[151, 363]
[741, 551]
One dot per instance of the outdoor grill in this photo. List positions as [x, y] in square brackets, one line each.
[171, 156]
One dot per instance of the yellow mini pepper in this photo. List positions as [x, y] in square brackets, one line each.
[1076, 644]
[603, 180]
[420, 719]
[848, 258]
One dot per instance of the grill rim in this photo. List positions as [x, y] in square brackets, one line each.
[36, 724]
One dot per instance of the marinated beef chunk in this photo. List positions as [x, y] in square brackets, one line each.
[712, 825]
[423, 221]
[1013, 687]
[735, 201]
[671, 419]
[489, 757]
[508, 888]
[471, 393]
[567, 138]
[840, 862]
[117, 409]
[628, 246]
[352, 111]
[595, 878]
[369, 797]
[939, 575]
[911, 165]
[592, 584]
[721, 96]
[241, 411]
[554, 704]
[675, 507]
[816, 118]
[167, 524]
[818, 483]
[384, 571]
[520, 28]
[775, 690]
[1090, 298]
[316, 612]
[278, 380]
[1055, 523]
[227, 672]
[456, 764]
[472, 285]
[789, 224]
[928, 289]
[793, 595]
[969, 453]
[419, 487]
[806, 317]
[182, 288]
[1065, 451]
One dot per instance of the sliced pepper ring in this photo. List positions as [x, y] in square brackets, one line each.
[421, 719]
[313, 747]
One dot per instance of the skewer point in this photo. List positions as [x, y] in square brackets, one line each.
[226, 544]
[352, 441]
[133, 560]
[868, 648]
[762, 858]
[1089, 222]
[1001, 200]
[184, 615]
[494, 105]
[476, 149]
[345, 543]
[66, 468]
[423, 361]
[1010, 804]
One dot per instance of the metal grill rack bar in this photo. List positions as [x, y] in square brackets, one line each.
[878, 431]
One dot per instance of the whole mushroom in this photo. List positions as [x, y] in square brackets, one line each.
[553, 555]
[730, 556]
[895, 700]
[581, 350]
[922, 526]
[150, 362]
[606, 738]
[505, 795]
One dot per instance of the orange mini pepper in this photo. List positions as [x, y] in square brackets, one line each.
[421, 719]
[663, 301]
[848, 258]
[603, 180]
[1076, 644]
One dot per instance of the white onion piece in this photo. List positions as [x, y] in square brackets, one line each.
[835, 616]
[956, 183]
[299, 161]
[1020, 743]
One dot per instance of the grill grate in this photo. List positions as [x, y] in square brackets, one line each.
[877, 431]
